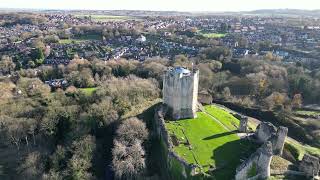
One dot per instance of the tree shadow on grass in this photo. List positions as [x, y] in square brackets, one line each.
[219, 135]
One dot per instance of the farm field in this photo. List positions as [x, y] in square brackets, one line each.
[210, 145]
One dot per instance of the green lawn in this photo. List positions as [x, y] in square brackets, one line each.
[224, 116]
[88, 91]
[302, 149]
[106, 18]
[210, 144]
[211, 35]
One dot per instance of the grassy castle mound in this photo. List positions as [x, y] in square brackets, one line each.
[210, 142]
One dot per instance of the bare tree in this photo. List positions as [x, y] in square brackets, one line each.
[131, 130]
[32, 167]
[6, 65]
[128, 161]
[128, 154]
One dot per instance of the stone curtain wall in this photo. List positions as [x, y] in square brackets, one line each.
[176, 167]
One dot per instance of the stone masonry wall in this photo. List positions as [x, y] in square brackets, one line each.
[268, 132]
[258, 161]
[310, 165]
[188, 170]
[265, 131]
[180, 93]
[278, 140]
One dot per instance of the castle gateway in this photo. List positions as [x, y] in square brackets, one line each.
[180, 92]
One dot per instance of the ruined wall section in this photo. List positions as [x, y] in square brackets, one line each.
[310, 165]
[266, 131]
[257, 166]
[180, 93]
[243, 126]
[273, 140]
[278, 140]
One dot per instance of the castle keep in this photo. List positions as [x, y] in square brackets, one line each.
[180, 92]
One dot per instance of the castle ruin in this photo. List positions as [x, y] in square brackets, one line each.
[310, 165]
[273, 140]
[268, 132]
[180, 92]
[243, 127]
[258, 164]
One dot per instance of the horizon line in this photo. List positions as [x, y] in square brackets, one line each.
[180, 11]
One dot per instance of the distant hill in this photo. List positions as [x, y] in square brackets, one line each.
[260, 12]
[285, 12]
[133, 12]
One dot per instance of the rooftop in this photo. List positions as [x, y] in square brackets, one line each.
[181, 70]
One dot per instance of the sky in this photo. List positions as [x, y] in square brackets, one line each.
[163, 5]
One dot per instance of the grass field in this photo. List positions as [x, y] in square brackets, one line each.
[106, 18]
[211, 35]
[214, 35]
[223, 116]
[210, 145]
[88, 91]
[226, 118]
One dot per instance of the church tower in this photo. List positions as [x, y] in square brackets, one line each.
[180, 92]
